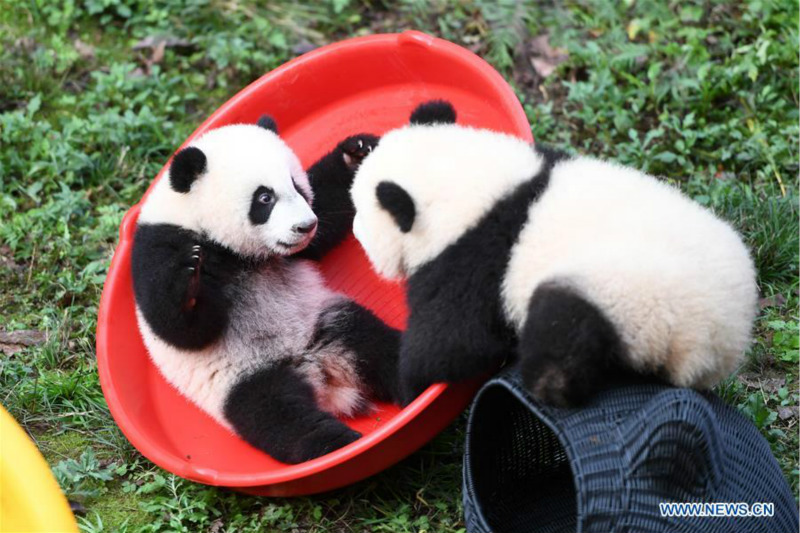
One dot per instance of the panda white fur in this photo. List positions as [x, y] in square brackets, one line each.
[231, 306]
[590, 272]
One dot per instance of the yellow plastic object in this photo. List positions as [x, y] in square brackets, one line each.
[30, 498]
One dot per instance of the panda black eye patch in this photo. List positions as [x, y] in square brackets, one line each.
[261, 205]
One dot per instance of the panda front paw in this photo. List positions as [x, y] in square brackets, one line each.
[416, 375]
[354, 149]
[411, 392]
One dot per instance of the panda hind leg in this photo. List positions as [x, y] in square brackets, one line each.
[373, 346]
[568, 350]
[275, 411]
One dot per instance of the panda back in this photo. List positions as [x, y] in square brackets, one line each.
[675, 280]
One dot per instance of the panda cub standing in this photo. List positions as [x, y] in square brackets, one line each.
[234, 313]
[584, 271]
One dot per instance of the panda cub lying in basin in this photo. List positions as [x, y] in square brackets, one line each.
[232, 308]
[583, 271]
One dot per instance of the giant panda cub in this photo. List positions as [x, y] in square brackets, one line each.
[232, 309]
[585, 272]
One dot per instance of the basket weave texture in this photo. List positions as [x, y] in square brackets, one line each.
[607, 466]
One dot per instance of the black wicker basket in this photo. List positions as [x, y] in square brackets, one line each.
[606, 467]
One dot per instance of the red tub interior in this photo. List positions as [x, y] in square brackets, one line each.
[367, 84]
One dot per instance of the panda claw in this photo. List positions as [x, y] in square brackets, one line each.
[356, 148]
[196, 258]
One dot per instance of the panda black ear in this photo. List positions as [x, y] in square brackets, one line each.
[398, 203]
[434, 112]
[187, 165]
[268, 123]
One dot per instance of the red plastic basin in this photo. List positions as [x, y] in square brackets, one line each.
[367, 84]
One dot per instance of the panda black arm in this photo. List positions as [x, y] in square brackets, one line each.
[455, 331]
[180, 281]
[330, 179]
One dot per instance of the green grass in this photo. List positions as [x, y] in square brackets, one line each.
[704, 93]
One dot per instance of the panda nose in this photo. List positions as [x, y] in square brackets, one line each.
[305, 227]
